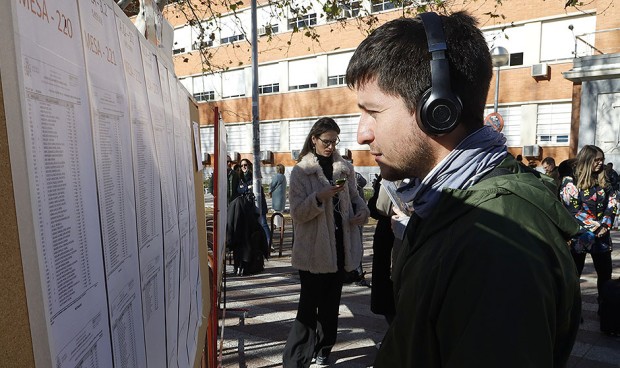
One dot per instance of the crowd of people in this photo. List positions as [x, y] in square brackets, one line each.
[476, 255]
[247, 233]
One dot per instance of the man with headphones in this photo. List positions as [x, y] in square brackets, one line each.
[484, 277]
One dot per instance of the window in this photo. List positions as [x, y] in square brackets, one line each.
[239, 137]
[269, 78]
[270, 136]
[187, 83]
[346, 9]
[232, 38]
[559, 42]
[182, 40]
[269, 88]
[302, 86]
[233, 83]
[205, 96]
[269, 29]
[206, 87]
[337, 68]
[516, 59]
[513, 38]
[201, 44]
[381, 5]
[298, 130]
[336, 80]
[553, 123]
[231, 27]
[302, 74]
[348, 132]
[207, 139]
[302, 21]
[267, 19]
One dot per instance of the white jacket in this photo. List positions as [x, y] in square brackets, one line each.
[314, 248]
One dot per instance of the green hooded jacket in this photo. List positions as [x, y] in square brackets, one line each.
[487, 280]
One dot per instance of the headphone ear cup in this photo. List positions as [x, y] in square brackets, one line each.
[421, 111]
[438, 115]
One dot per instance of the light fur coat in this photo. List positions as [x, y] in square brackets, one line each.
[314, 248]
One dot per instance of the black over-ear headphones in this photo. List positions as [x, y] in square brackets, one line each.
[439, 108]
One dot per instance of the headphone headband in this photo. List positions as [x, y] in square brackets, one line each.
[434, 33]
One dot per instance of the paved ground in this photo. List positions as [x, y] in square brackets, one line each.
[270, 299]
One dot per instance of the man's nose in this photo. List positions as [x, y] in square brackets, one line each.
[365, 132]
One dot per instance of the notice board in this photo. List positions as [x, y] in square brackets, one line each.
[103, 253]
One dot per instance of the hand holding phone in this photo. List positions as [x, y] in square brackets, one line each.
[341, 181]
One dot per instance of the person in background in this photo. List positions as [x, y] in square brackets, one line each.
[381, 295]
[233, 180]
[614, 180]
[592, 201]
[360, 181]
[326, 210]
[519, 159]
[358, 275]
[484, 277]
[566, 170]
[246, 179]
[548, 164]
[612, 175]
[277, 191]
[534, 166]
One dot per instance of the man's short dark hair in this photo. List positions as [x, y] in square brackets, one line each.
[396, 54]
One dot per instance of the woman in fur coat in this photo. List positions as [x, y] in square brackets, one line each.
[326, 210]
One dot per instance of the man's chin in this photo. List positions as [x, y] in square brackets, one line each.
[391, 174]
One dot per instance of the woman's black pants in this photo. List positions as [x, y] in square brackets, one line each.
[315, 327]
[602, 265]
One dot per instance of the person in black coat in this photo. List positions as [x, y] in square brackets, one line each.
[246, 179]
[245, 236]
[381, 292]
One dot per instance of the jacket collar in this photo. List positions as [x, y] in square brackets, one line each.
[455, 203]
[310, 166]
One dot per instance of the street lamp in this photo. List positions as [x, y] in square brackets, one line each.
[499, 57]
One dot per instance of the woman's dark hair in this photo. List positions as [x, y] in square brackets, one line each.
[321, 126]
[248, 174]
[247, 161]
[566, 167]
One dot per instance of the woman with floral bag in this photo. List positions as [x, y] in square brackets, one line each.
[591, 199]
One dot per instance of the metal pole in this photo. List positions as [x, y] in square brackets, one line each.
[496, 90]
[257, 177]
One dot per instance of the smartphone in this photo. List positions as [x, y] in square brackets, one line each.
[341, 181]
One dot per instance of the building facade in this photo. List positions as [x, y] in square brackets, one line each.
[562, 60]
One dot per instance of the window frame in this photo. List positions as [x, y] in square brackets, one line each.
[302, 21]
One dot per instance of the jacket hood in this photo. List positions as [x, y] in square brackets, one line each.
[515, 179]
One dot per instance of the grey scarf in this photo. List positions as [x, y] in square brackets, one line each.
[473, 158]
